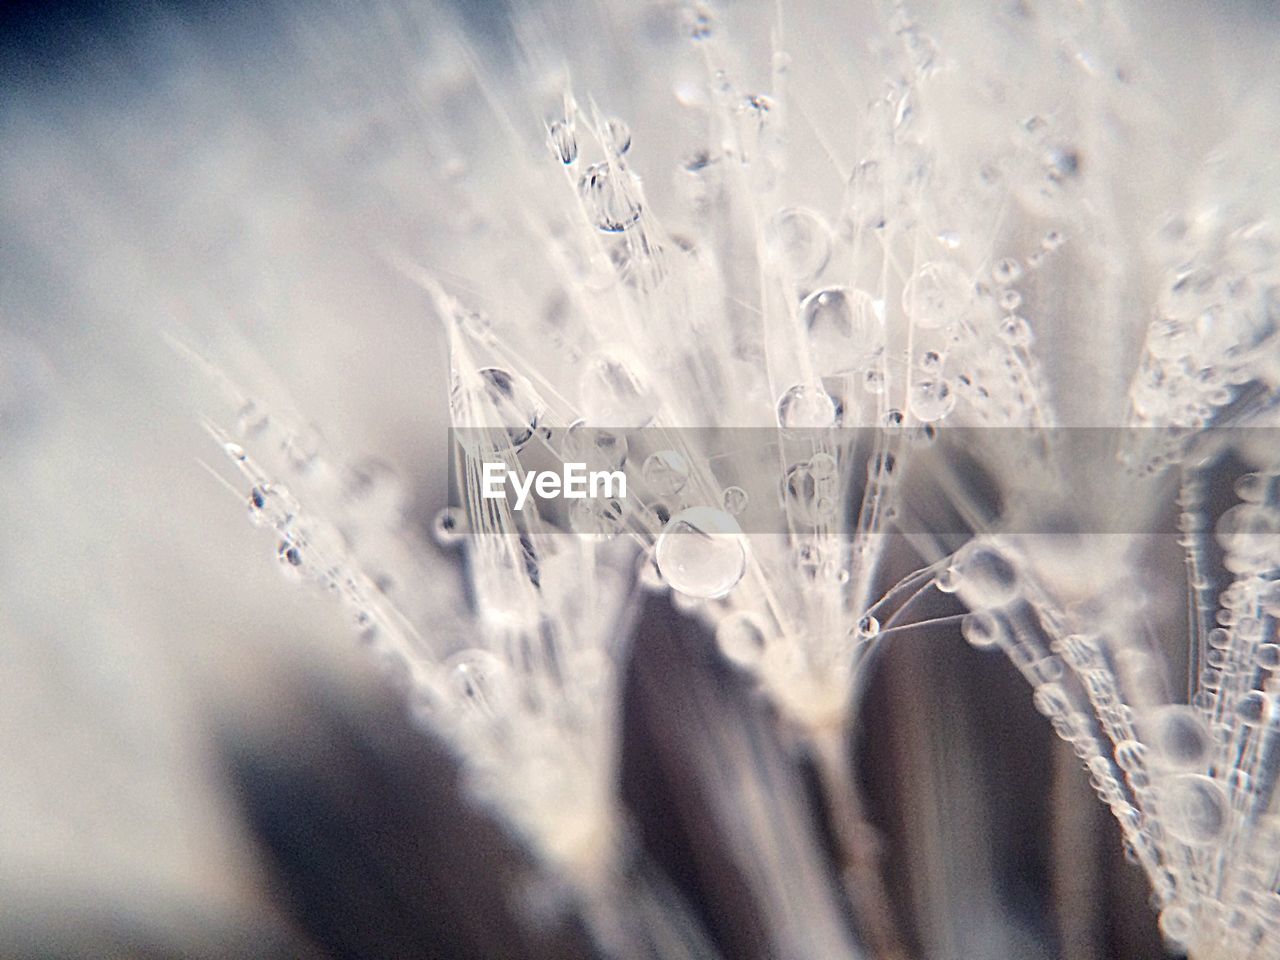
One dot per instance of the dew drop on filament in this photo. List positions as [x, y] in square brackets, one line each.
[701, 552]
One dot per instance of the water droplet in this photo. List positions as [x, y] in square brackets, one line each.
[1195, 809]
[701, 552]
[931, 400]
[610, 196]
[808, 499]
[1253, 708]
[257, 504]
[1250, 531]
[844, 329]
[290, 557]
[1010, 299]
[741, 639]
[449, 526]
[981, 629]
[1269, 656]
[987, 578]
[666, 472]
[868, 627]
[1006, 271]
[806, 407]
[1053, 240]
[734, 500]
[1178, 737]
[494, 409]
[1177, 925]
[1015, 331]
[1254, 487]
[938, 295]
[799, 241]
[564, 141]
[619, 135]
[1130, 755]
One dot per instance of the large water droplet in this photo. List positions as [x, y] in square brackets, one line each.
[701, 552]
[807, 407]
[799, 241]
[844, 329]
[1195, 809]
[611, 197]
[1178, 737]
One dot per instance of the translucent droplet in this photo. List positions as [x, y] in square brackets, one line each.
[1269, 656]
[610, 196]
[808, 499]
[1253, 708]
[257, 504]
[806, 407]
[480, 680]
[564, 141]
[493, 408]
[1254, 487]
[1006, 271]
[868, 627]
[981, 630]
[235, 451]
[844, 329]
[666, 472]
[449, 526]
[1053, 240]
[290, 557]
[613, 396]
[1130, 755]
[619, 135]
[799, 241]
[1177, 925]
[987, 578]
[741, 639]
[1010, 299]
[823, 466]
[931, 400]
[701, 552]
[734, 501]
[937, 296]
[1249, 530]
[1178, 737]
[1015, 331]
[1194, 809]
